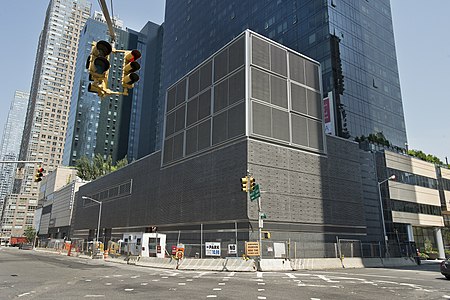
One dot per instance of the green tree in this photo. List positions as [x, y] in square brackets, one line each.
[30, 234]
[99, 166]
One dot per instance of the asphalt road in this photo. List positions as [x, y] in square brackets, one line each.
[29, 274]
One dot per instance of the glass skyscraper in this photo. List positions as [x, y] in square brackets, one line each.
[353, 41]
[10, 146]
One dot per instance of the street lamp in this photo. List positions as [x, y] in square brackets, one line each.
[99, 216]
[392, 177]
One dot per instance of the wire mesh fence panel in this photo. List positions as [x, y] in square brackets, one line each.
[350, 248]
[371, 250]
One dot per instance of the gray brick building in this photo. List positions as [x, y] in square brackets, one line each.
[253, 106]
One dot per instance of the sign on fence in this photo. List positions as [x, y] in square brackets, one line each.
[212, 248]
[252, 248]
[232, 249]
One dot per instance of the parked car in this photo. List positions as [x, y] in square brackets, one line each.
[445, 268]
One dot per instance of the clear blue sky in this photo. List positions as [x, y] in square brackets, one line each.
[423, 53]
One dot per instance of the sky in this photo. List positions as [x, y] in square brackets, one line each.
[421, 35]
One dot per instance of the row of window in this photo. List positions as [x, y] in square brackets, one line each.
[413, 179]
[415, 208]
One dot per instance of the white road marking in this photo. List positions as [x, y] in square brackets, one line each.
[164, 277]
[320, 285]
[217, 289]
[94, 296]
[446, 297]
[129, 290]
[261, 283]
[259, 274]
[221, 283]
[261, 297]
[261, 290]
[108, 283]
[225, 279]
[189, 279]
[290, 275]
[315, 298]
[155, 280]
[181, 283]
[136, 276]
[211, 296]
[144, 283]
[88, 280]
[259, 279]
[325, 278]
[24, 294]
[231, 274]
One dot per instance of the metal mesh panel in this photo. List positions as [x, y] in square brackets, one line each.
[261, 119]
[205, 76]
[194, 81]
[178, 145]
[312, 75]
[170, 124]
[278, 59]
[314, 104]
[220, 128]
[236, 120]
[168, 146]
[181, 92]
[278, 91]
[260, 85]
[315, 134]
[297, 68]
[280, 124]
[298, 98]
[204, 104]
[192, 108]
[171, 94]
[260, 53]
[191, 140]
[237, 87]
[237, 54]
[179, 118]
[299, 130]
[221, 65]
[204, 134]
[221, 95]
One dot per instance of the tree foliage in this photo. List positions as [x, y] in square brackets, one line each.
[30, 234]
[99, 166]
[426, 157]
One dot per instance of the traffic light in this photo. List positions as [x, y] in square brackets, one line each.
[252, 184]
[98, 66]
[130, 65]
[39, 174]
[244, 184]
[265, 235]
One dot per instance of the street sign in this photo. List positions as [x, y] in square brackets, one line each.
[252, 248]
[255, 193]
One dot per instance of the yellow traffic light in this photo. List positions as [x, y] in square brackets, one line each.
[265, 235]
[244, 184]
[130, 65]
[98, 66]
[252, 183]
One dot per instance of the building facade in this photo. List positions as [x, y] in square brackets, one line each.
[51, 89]
[10, 145]
[254, 106]
[411, 202]
[353, 41]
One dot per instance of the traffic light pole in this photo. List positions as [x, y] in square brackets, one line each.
[20, 161]
[108, 20]
[260, 227]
